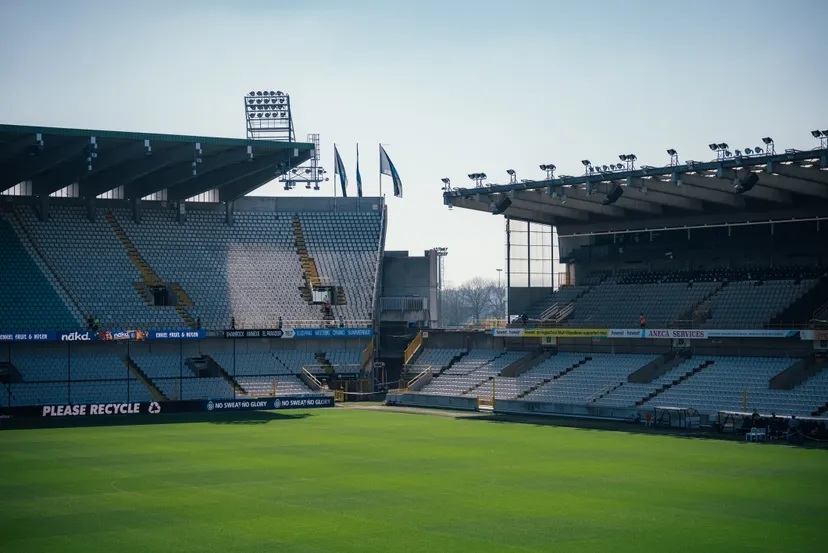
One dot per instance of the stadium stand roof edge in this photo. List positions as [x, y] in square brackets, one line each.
[791, 185]
[143, 163]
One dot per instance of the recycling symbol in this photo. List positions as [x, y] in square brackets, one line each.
[154, 408]
[210, 406]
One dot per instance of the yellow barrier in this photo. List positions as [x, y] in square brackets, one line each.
[367, 353]
[413, 347]
[565, 332]
[339, 395]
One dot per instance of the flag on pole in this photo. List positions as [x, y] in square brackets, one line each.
[387, 168]
[359, 177]
[339, 169]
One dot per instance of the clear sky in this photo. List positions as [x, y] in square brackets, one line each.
[450, 87]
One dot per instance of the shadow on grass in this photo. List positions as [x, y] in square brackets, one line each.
[227, 417]
[629, 427]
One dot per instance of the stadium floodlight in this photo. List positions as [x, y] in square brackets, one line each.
[446, 184]
[769, 146]
[446, 180]
[723, 146]
[728, 153]
[586, 162]
[512, 176]
[673, 156]
[767, 140]
[738, 153]
[550, 170]
[510, 171]
[252, 93]
[748, 151]
[816, 134]
[622, 157]
[671, 151]
[713, 147]
[605, 168]
[478, 178]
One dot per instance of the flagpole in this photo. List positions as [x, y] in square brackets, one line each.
[336, 172]
[380, 169]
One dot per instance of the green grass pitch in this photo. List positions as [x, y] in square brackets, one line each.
[353, 480]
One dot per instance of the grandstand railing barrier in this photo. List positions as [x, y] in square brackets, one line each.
[418, 382]
[368, 355]
[549, 312]
[412, 348]
[310, 381]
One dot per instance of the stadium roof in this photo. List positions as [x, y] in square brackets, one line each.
[790, 186]
[143, 163]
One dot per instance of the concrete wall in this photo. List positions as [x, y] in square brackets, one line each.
[406, 275]
[426, 400]
[521, 299]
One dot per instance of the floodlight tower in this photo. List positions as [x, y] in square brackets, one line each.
[268, 116]
[441, 275]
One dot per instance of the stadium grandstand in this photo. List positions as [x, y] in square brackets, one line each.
[136, 268]
[698, 288]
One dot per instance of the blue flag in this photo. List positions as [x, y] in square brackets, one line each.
[359, 177]
[387, 168]
[339, 169]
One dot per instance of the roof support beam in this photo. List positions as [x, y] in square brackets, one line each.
[514, 212]
[52, 154]
[630, 200]
[185, 180]
[239, 187]
[758, 192]
[705, 195]
[577, 198]
[539, 200]
[788, 184]
[121, 175]
[77, 170]
[811, 174]
[636, 188]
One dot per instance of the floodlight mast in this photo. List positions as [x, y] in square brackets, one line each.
[267, 115]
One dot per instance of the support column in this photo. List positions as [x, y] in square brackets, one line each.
[136, 210]
[90, 208]
[230, 212]
[43, 207]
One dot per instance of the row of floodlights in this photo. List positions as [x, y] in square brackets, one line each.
[721, 148]
[259, 101]
[266, 93]
[267, 114]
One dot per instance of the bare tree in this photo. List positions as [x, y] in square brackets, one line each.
[477, 295]
[455, 310]
[497, 301]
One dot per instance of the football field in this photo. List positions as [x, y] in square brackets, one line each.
[356, 480]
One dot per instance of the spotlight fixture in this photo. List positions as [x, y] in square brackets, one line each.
[748, 151]
[550, 170]
[478, 178]
[622, 157]
[713, 147]
[671, 151]
[446, 184]
[738, 153]
[446, 181]
[512, 176]
[767, 140]
[605, 168]
[586, 162]
[673, 156]
[817, 134]
[723, 146]
[510, 171]
[769, 147]
[823, 138]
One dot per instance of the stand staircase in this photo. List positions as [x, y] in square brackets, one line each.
[148, 277]
[546, 381]
[324, 363]
[695, 370]
[214, 366]
[310, 273]
[142, 377]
